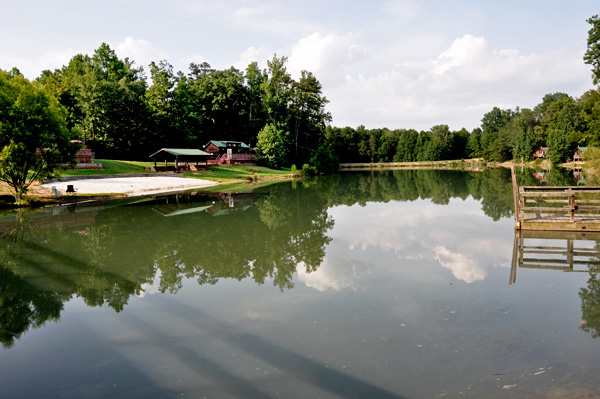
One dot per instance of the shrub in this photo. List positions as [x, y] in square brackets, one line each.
[324, 162]
[309, 170]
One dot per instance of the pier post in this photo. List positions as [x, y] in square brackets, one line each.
[571, 205]
[515, 196]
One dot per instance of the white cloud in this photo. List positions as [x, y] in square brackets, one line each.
[335, 273]
[456, 87]
[254, 54]
[461, 266]
[421, 231]
[141, 51]
[153, 287]
[326, 56]
[31, 68]
[461, 52]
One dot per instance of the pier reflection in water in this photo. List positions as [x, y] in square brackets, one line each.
[555, 250]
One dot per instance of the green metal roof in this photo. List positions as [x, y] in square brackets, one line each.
[227, 143]
[182, 152]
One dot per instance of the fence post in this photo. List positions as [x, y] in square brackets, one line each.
[571, 204]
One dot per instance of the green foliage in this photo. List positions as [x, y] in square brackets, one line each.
[592, 165]
[273, 146]
[308, 115]
[225, 173]
[109, 167]
[323, 162]
[498, 135]
[590, 114]
[33, 134]
[592, 54]
[309, 170]
[405, 149]
[564, 127]
[590, 302]
[473, 149]
[105, 99]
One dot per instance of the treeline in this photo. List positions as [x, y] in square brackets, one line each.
[112, 106]
[120, 113]
[400, 145]
[559, 122]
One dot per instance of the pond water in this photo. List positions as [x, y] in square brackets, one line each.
[398, 284]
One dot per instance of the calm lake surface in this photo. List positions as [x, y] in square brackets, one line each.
[396, 284]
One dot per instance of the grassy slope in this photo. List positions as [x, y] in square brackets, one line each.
[214, 173]
[226, 173]
[110, 168]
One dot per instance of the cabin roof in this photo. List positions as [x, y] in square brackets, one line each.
[227, 143]
[181, 152]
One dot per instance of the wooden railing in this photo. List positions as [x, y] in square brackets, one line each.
[570, 200]
[563, 208]
[221, 159]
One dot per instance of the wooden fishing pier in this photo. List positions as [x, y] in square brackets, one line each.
[547, 208]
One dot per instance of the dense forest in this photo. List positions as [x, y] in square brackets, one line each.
[112, 107]
[123, 113]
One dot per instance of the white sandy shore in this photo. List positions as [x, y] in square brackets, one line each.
[131, 185]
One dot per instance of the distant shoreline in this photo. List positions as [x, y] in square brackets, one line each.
[477, 164]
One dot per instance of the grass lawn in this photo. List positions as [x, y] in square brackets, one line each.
[214, 173]
[226, 173]
[110, 168]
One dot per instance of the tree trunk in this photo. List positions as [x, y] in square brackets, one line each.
[18, 196]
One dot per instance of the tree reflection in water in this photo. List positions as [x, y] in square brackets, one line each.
[265, 236]
[590, 300]
[22, 305]
[107, 254]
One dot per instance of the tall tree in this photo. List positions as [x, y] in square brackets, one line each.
[220, 99]
[497, 141]
[273, 145]
[256, 111]
[564, 128]
[592, 55]
[159, 98]
[34, 138]
[590, 112]
[405, 151]
[277, 88]
[473, 149]
[308, 116]
[109, 106]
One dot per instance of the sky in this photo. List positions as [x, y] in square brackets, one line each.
[400, 64]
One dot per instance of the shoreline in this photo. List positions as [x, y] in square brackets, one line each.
[461, 164]
[93, 188]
